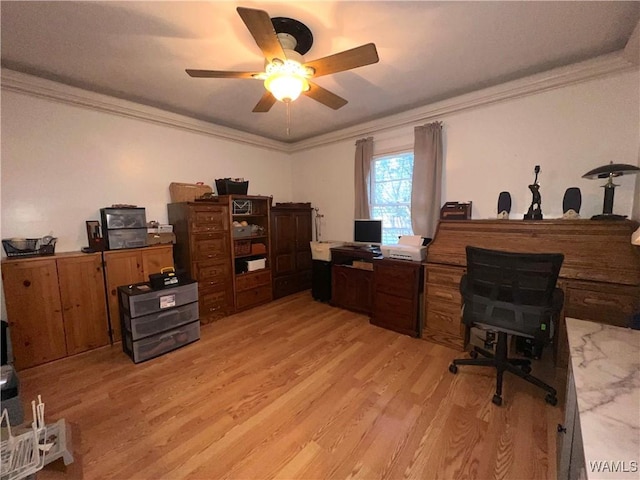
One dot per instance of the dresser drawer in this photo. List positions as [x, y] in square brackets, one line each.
[212, 273]
[211, 247]
[147, 325]
[209, 219]
[254, 296]
[252, 280]
[215, 304]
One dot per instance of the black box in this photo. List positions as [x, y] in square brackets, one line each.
[164, 279]
[226, 186]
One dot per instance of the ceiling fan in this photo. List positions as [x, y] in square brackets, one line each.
[283, 42]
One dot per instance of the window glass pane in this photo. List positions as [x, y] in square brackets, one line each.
[391, 195]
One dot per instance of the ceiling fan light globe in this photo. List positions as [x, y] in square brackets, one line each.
[286, 87]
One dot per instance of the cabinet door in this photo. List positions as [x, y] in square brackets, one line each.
[34, 311]
[155, 259]
[284, 243]
[122, 267]
[303, 241]
[83, 302]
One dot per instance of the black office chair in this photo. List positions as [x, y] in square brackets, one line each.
[510, 293]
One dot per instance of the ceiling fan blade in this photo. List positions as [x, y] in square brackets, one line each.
[339, 62]
[259, 24]
[219, 74]
[266, 102]
[325, 97]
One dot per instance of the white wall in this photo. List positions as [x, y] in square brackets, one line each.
[567, 131]
[62, 163]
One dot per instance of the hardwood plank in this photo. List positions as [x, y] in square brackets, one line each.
[294, 389]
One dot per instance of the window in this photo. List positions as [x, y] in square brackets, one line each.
[391, 194]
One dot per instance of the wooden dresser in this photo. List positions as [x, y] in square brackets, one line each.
[600, 275]
[203, 250]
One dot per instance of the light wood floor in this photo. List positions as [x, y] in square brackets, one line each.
[294, 389]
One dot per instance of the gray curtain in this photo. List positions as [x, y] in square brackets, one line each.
[364, 156]
[426, 190]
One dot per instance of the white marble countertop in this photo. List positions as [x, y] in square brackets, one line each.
[605, 361]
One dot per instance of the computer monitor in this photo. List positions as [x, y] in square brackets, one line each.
[367, 232]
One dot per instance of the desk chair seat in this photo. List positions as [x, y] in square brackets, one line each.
[510, 294]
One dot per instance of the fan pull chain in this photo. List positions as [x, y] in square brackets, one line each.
[288, 119]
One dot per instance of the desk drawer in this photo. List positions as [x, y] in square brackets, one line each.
[606, 307]
[445, 276]
[442, 293]
[398, 281]
[444, 318]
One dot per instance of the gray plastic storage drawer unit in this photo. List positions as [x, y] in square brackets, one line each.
[141, 299]
[124, 227]
[158, 321]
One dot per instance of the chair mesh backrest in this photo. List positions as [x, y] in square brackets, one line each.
[511, 291]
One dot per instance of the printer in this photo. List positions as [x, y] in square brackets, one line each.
[409, 247]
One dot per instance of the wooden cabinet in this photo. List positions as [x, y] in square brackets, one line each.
[126, 267]
[203, 251]
[397, 285]
[351, 288]
[600, 275]
[55, 306]
[291, 262]
[352, 278]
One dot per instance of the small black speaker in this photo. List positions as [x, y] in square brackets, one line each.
[504, 205]
[572, 200]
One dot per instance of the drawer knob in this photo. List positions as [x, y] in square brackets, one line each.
[561, 428]
[27, 283]
[213, 309]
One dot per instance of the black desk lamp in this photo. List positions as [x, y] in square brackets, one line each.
[610, 171]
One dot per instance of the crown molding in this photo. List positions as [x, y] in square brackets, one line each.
[58, 92]
[604, 65]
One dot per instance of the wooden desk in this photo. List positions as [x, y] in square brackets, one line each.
[600, 275]
[389, 292]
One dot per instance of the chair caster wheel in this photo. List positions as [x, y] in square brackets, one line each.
[473, 354]
[551, 399]
[497, 400]
[453, 368]
[526, 369]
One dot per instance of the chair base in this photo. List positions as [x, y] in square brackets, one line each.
[517, 366]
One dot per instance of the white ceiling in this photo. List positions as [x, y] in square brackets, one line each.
[428, 51]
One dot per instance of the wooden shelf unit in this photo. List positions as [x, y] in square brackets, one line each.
[251, 288]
